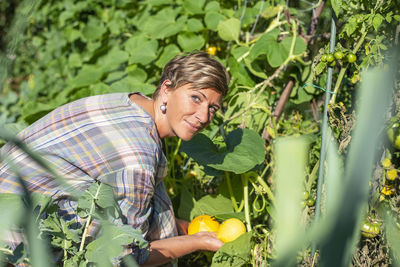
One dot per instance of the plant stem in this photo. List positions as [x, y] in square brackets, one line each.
[88, 221]
[265, 186]
[245, 182]
[228, 181]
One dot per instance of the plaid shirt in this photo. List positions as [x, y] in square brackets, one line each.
[103, 138]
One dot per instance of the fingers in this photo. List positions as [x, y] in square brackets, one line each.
[210, 241]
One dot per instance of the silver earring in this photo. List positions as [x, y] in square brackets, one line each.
[163, 108]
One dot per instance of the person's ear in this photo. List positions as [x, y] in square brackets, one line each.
[165, 89]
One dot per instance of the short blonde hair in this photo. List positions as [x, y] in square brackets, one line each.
[198, 69]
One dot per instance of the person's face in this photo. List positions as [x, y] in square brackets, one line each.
[190, 110]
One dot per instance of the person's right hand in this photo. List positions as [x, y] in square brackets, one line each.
[209, 241]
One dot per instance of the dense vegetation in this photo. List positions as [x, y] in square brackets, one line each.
[262, 155]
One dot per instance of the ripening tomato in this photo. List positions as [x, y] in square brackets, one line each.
[370, 229]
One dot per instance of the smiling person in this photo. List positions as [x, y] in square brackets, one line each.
[117, 139]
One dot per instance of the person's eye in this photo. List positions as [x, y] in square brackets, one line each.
[195, 98]
[213, 109]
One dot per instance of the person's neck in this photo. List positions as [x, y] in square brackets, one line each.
[146, 103]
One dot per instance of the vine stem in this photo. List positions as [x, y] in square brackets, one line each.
[228, 181]
[92, 207]
[245, 182]
[267, 189]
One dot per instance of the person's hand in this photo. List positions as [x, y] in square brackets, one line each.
[209, 240]
[182, 226]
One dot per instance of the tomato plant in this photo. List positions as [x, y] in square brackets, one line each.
[277, 54]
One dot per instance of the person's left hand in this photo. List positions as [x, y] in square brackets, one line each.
[182, 226]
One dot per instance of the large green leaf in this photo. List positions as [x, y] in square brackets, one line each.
[277, 52]
[141, 49]
[212, 205]
[186, 204]
[194, 6]
[94, 29]
[245, 150]
[190, 41]
[113, 59]
[235, 253]
[212, 20]
[163, 24]
[88, 75]
[194, 25]
[169, 52]
[131, 84]
[109, 246]
[229, 29]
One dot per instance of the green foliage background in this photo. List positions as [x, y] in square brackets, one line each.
[54, 52]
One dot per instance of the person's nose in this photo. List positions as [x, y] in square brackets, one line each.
[203, 115]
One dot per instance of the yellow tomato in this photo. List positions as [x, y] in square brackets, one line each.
[212, 50]
[230, 230]
[391, 174]
[203, 223]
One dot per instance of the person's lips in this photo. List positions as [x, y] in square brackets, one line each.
[193, 126]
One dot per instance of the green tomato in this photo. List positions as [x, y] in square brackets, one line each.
[305, 195]
[351, 58]
[332, 64]
[370, 230]
[323, 57]
[393, 134]
[338, 55]
[330, 58]
[310, 202]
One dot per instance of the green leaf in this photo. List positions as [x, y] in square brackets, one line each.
[377, 21]
[190, 41]
[11, 211]
[212, 6]
[235, 253]
[114, 58]
[131, 84]
[162, 24]
[75, 60]
[194, 25]
[89, 74]
[186, 204]
[229, 29]
[245, 150]
[212, 19]
[141, 49]
[194, 6]
[94, 29]
[160, 2]
[321, 66]
[291, 157]
[239, 51]
[169, 52]
[336, 6]
[109, 246]
[239, 72]
[396, 17]
[212, 205]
